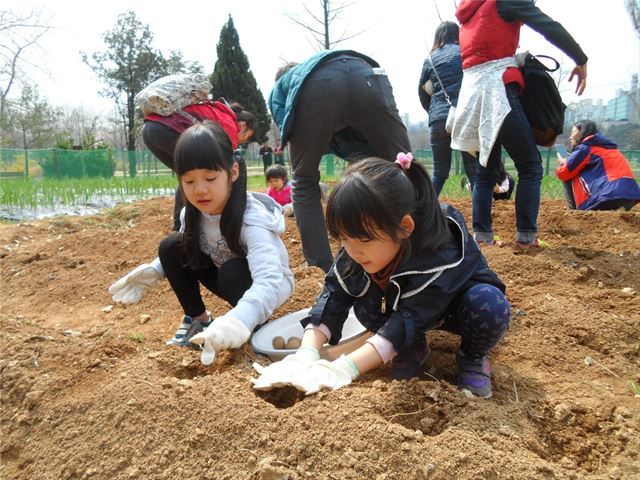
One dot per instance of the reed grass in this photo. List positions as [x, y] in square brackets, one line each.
[23, 193]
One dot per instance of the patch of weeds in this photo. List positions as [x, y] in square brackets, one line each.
[136, 337]
[124, 212]
[635, 388]
[90, 221]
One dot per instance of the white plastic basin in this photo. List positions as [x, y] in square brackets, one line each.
[353, 336]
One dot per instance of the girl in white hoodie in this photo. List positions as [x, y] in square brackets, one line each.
[228, 241]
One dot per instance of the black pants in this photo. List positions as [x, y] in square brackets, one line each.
[230, 281]
[161, 141]
[343, 94]
[506, 195]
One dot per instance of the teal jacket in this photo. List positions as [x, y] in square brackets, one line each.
[285, 93]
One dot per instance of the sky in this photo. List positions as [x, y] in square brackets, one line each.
[397, 34]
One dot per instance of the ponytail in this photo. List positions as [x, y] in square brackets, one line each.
[430, 230]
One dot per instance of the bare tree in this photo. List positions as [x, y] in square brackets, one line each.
[319, 26]
[562, 72]
[19, 33]
[633, 7]
[81, 127]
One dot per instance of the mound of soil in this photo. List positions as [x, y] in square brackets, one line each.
[89, 390]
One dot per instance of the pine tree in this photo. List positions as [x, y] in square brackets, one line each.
[232, 79]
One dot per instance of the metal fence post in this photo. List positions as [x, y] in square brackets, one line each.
[546, 169]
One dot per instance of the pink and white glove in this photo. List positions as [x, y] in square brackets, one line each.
[326, 375]
[222, 334]
[280, 374]
[132, 287]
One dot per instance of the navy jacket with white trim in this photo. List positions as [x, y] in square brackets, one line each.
[423, 291]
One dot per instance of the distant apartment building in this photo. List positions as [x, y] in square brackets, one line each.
[587, 108]
[624, 107]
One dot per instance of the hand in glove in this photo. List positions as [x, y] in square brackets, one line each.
[326, 375]
[222, 334]
[131, 288]
[287, 210]
[280, 374]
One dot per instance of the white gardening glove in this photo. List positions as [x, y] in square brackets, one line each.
[131, 288]
[280, 374]
[222, 334]
[326, 375]
[287, 210]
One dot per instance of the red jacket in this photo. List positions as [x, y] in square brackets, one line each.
[490, 30]
[598, 172]
[484, 35]
[283, 197]
[217, 112]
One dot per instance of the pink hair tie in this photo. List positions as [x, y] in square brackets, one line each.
[404, 160]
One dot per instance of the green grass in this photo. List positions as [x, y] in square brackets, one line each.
[29, 193]
[551, 188]
[136, 337]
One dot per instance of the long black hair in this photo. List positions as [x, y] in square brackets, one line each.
[207, 146]
[245, 116]
[375, 194]
[585, 129]
[447, 32]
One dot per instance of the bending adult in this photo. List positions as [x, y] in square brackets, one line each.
[160, 134]
[443, 68]
[489, 114]
[336, 101]
[596, 175]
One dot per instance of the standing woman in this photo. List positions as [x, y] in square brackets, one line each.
[596, 176]
[489, 113]
[443, 68]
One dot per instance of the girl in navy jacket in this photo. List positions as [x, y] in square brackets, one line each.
[407, 265]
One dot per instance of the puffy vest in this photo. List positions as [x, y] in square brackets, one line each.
[484, 35]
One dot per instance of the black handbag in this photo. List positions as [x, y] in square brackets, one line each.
[541, 100]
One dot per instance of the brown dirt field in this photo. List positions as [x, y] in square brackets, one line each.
[84, 396]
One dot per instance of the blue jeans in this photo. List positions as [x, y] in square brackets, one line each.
[441, 147]
[517, 138]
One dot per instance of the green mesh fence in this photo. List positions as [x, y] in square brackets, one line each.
[58, 163]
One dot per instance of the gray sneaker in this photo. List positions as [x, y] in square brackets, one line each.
[187, 330]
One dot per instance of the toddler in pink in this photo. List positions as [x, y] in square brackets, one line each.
[279, 187]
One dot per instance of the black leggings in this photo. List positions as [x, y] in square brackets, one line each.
[161, 141]
[230, 281]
